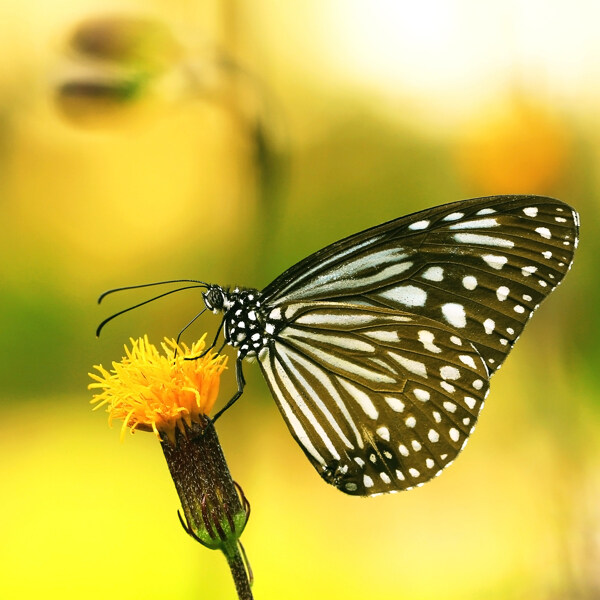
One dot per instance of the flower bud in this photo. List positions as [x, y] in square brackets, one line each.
[214, 514]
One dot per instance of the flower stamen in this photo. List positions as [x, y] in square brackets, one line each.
[158, 392]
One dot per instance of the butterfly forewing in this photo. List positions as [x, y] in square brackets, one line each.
[379, 400]
[481, 266]
[381, 361]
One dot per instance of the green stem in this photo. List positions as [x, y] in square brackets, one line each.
[239, 573]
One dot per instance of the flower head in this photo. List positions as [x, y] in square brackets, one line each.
[158, 392]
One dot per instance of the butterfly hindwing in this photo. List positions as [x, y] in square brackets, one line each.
[379, 400]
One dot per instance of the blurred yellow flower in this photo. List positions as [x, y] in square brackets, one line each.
[158, 392]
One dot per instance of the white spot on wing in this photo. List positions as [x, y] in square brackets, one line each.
[496, 262]
[383, 433]
[477, 224]
[454, 216]
[449, 372]
[434, 274]
[502, 293]
[544, 232]
[469, 282]
[433, 436]
[531, 211]
[467, 360]
[332, 319]
[427, 338]
[422, 395]
[470, 402]
[409, 295]
[527, 271]
[489, 325]
[348, 343]
[419, 225]
[483, 240]
[382, 335]
[454, 314]
[385, 478]
[448, 387]
[394, 403]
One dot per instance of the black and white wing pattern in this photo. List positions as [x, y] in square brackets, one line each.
[381, 345]
[379, 400]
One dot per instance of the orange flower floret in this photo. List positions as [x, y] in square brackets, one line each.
[158, 392]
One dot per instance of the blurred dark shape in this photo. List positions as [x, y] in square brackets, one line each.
[136, 41]
[81, 100]
[115, 63]
[130, 70]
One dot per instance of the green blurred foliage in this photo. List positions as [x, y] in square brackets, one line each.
[246, 150]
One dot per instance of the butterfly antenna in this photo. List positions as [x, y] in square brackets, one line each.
[121, 312]
[144, 285]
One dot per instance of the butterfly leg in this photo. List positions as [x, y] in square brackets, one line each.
[241, 383]
[214, 343]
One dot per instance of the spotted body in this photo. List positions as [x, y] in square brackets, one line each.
[246, 326]
[379, 348]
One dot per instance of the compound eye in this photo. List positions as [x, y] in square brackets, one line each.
[207, 300]
[214, 298]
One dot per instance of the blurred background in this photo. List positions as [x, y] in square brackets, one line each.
[226, 140]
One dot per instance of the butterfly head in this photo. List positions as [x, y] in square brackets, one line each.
[215, 298]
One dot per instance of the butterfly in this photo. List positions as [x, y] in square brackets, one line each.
[379, 348]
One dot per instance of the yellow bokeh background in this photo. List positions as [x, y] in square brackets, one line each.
[242, 136]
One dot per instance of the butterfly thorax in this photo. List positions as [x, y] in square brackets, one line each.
[245, 323]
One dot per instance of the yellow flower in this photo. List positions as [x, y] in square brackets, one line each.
[172, 396]
[158, 392]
